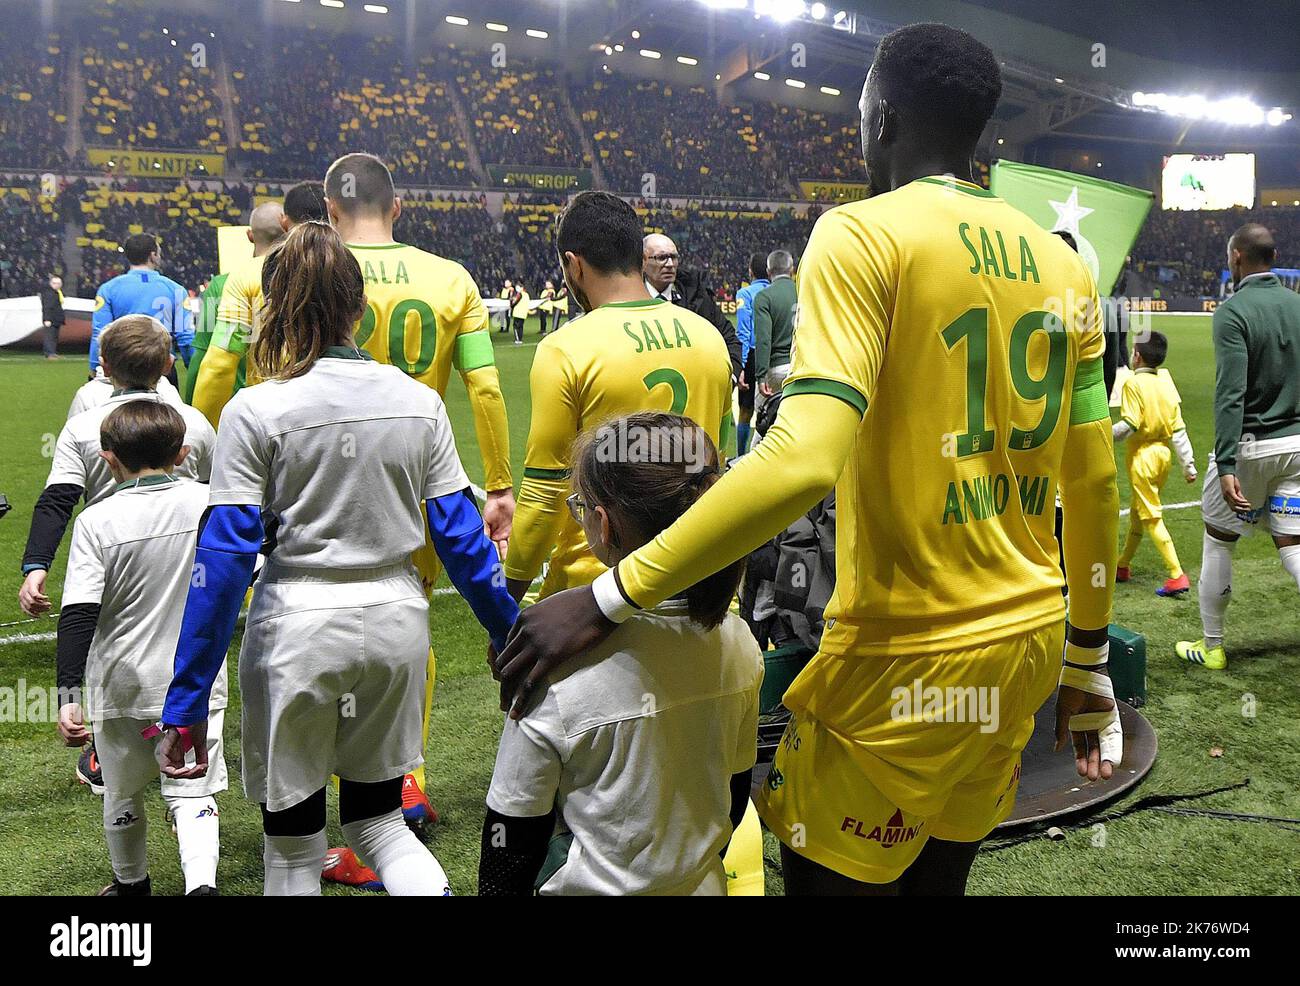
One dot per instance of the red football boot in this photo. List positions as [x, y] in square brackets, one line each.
[342, 866]
[416, 807]
[1174, 587]
[1122, 574]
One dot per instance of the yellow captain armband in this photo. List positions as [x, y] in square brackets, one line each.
[1089, 402]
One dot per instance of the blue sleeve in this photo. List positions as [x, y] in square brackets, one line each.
[182, 327]
[472, 563]
[102, 316]
[745, 325]
[229, 539]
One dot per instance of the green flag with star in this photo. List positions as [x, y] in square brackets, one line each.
[1103, 216]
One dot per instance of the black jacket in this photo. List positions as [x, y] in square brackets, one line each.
[693, 295]
[51, 307]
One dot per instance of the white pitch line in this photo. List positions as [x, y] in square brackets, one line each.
[29, 638]
[1170, 506]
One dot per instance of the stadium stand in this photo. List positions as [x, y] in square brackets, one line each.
[458, 227]
[299, 99]
[1183, 252]
[33, 104]
[682, 135]
[31, 239]
[295, 123]
[516, 114]
[146, 88]
[181, 217]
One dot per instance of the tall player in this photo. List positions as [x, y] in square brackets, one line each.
[232, 302]
[424, 315]
[947, 379]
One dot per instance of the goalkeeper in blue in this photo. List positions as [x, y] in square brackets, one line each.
[354, 461]
[143, 291]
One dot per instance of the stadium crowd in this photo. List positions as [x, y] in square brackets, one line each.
[150, 89]
[31, 240]
[299, 100]
[1182, 252]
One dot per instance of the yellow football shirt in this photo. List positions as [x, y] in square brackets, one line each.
[957, 325]
[424, 314]
[238, 311]
[1151, 405]
[619, 359]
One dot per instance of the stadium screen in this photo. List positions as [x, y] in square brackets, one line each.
[1208, 181]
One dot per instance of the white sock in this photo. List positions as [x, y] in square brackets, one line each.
[124, 830]
[293, 864]
[1290, 556]
[402, 862]
[1215, 587]
[198, 832]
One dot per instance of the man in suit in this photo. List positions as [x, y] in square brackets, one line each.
[52, 317]
[665, 278]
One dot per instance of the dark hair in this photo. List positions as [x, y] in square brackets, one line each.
[360, 183]
[314, 294]
[306, 201]
[1256, 245]
[644, 493]
[603, 230]
[939, 78]
[1066, 235]
[143, 434]
[1153, 349]
[757, 265]
[139, 247]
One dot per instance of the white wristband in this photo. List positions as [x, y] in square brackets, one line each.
[610, 598]
[1087, 657]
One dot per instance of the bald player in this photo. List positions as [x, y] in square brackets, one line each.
[666, 278]
[236, 297]
[424, 314]
[1253, 479]
[226, 319]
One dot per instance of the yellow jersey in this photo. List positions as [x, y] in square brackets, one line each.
[1151, 406]
[238, 312]
[957, 326]
[619, 359]
[423, 315]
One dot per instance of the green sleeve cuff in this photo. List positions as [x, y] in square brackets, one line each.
[473, 351]
[230, 336]
[828, 388]
[531, 473]
[1090, 401]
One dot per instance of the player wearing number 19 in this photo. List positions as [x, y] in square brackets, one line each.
[946, 381]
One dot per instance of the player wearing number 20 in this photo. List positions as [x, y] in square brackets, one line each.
[628, 353]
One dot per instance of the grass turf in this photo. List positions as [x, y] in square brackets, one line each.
[51, 839]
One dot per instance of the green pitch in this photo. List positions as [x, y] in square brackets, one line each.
[51, 840]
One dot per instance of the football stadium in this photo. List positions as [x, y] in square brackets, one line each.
[952, 361]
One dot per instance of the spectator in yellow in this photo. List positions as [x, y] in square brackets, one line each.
[519, 312]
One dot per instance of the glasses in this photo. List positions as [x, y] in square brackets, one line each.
[665, 258]
[577, 506]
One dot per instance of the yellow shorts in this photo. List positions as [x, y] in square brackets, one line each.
[1148, 468]
[933, 750]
